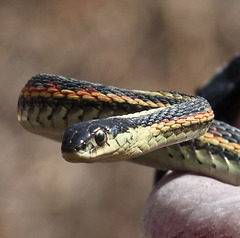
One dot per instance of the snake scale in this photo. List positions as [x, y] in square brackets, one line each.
[163, 130]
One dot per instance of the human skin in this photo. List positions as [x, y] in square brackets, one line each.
[188, 205]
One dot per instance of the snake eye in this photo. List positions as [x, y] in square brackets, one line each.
[100, 137]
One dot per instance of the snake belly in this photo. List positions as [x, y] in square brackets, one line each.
[164, 130]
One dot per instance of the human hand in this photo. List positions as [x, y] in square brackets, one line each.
[187, 205]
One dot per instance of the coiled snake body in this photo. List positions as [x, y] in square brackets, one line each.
[164, 130]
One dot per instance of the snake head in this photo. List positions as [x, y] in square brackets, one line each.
[93, 141]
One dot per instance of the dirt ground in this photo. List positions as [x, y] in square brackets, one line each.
[169, 45]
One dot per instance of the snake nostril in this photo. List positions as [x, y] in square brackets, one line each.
[73, 148]
[81, 146]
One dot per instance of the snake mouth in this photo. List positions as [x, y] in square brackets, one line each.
[74, 153]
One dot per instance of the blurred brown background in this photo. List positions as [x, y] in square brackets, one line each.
[170, 45]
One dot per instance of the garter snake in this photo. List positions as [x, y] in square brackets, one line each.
[164, 130]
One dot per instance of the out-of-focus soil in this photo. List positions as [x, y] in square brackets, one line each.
[169, 45]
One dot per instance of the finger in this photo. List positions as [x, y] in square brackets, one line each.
[185, 205]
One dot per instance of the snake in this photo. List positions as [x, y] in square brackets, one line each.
[159, 129]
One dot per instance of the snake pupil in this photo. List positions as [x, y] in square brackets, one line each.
[100, 137]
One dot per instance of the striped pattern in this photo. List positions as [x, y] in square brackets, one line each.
[140, 126]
